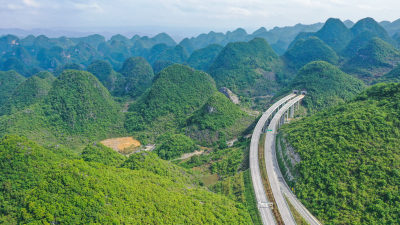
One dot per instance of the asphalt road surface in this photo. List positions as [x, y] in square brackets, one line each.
[265, 212]
[278, 183]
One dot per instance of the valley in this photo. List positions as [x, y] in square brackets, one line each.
[290, 125]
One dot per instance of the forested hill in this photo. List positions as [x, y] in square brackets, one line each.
[31, 54]
[326, 85]
[40, 186]
[349, 167]
[177, 92]
[77, 108]
[248, 68]
[190, 108]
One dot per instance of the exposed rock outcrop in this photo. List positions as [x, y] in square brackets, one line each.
[229, 94]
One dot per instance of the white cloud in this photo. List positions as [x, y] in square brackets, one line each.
[218, 14]
[31, 3]
[88, 7]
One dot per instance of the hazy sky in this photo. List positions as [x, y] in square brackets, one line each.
[218, 15]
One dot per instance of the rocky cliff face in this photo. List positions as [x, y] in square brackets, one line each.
[229, 94]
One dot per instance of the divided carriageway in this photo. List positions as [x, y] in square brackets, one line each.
[273, 118]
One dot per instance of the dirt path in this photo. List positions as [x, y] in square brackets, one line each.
[188, 155]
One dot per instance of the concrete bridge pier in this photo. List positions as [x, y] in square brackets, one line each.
[292, 111]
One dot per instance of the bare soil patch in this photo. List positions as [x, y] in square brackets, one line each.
[123, 145]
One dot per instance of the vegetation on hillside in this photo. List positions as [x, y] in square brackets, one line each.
[335, 34]
[373, 60]
[9, 80]
[101, 154]
[392, 76]
[349, 168]
[39, 186]
[363, 32]
[326, 85]
[28, 92]
[79, 103]
[247, 68]
[218, 113]
[76, 110]
[105, 73]
[174, 145]
[176, 93]
[203, 58]
[137, 76]
[307, 50]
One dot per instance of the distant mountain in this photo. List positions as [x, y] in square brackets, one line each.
[396, 38]
[335, 34]
[32, 54]
[301, 36]
[9, 81]
[28, 92]
[392, 76]
[349, 24]
[307, 50]
[93, 40]
[176, 54]
[203, 58]
[82, 53]
[373, 60]
[164, 38]
[106, 75]
[137, 76]
[326, 85]
[177, 92]
[159, 65]
[391, 27]
[369, 24]
[363, 31]
[281, 37]
[247, 68]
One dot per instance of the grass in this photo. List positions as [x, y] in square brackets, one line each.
[297, 217]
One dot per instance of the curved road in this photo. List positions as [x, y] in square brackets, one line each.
[278, 183]
[265, 212]
[273, 167]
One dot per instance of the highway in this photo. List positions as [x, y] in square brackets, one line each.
[265, 212]
[278, 184]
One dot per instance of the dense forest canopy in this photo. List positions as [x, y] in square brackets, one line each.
[349, 168]
[191, 106]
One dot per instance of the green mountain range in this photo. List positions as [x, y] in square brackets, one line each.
[28, 92]
[326, 85]
[176, 92]
[348, 170]
[335, 34]
[9, 80]
[307, 50]
[76, 109]
[247, 68]
[363, 31]
[60, 98]
[203, 58]
[392, 76]
[373, 60]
